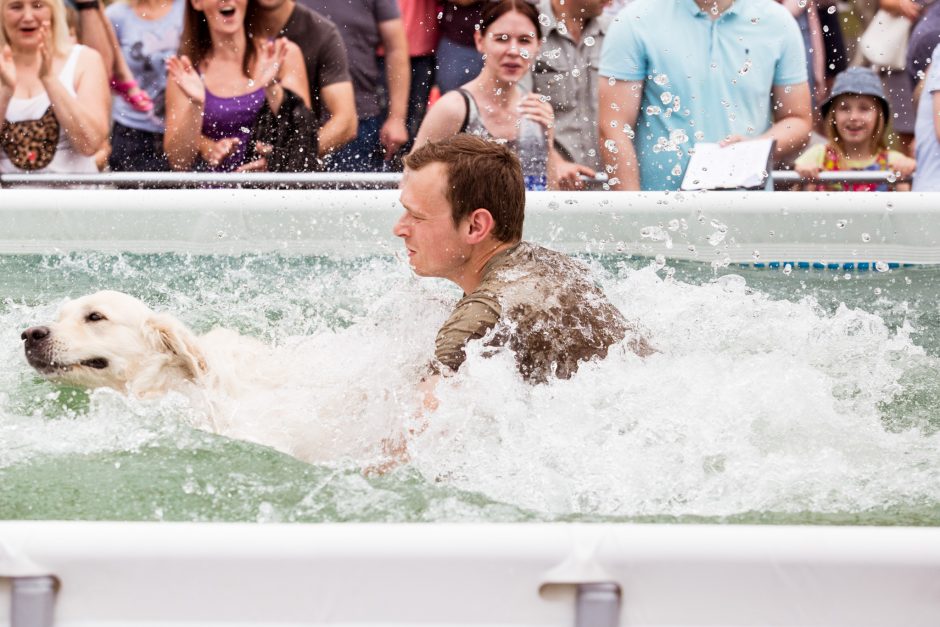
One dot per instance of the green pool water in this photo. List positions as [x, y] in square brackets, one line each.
[808, 396]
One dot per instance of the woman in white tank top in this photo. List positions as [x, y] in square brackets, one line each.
[52, 94]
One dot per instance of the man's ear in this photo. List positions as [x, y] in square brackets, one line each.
[169, 335]
[480, 225]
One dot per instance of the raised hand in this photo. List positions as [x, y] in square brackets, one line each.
[271, 55]
[46, 51]
[533, 107]
[7, 68]
[181, 70]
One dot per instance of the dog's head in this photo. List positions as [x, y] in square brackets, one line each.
[110, 339]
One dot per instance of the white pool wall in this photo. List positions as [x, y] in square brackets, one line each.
[711, 227]
[475, 574]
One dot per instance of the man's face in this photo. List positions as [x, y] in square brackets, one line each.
[435, 245]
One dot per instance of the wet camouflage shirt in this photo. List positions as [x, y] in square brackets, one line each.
[541, 304]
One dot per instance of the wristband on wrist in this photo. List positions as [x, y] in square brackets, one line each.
[85, 5]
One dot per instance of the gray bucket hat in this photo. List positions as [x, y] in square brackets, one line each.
[861, 81]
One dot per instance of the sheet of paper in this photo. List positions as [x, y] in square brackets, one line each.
[743, 165]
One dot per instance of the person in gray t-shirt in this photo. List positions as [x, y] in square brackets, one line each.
[566, 72]
[365, 25]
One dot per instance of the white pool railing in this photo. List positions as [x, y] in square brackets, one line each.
[765, 229]
[344, 180]
[226, 575]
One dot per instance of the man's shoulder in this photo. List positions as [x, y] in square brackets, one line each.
[532, 260]
[647, 10]
[766, 14]
[304, 19]
[602, 22]
[646, 16]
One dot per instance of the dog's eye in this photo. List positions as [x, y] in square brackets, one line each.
[94, 317]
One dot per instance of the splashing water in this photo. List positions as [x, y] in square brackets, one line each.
[754, 409]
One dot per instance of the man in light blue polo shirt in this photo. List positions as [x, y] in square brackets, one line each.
[677, 72]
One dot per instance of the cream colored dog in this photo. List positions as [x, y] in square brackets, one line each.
[110, 339]
[281, 397]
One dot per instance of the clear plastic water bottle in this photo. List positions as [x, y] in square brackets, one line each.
[532, 147]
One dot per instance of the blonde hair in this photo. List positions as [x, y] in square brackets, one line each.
[879, 139]
[60, 26]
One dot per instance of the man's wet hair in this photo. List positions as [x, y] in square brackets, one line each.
[480, 174]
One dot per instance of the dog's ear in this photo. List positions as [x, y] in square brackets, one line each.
[169, 335]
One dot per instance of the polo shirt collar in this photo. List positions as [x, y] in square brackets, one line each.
[693, 9]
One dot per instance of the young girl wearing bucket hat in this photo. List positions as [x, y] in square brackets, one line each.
[856, 118]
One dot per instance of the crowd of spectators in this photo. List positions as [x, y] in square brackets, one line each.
[621, 90]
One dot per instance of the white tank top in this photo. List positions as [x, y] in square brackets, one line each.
[67, 160]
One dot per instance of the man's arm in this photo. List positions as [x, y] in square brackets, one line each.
[618, 111]
[340, 101]
[93, 27]
[935, 97]
[394, 132]
[793, 119]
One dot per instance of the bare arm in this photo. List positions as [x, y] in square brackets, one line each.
[935, 96]
[340, 101]
[6, 94]
[183, 114]
[395, 448]
[908, 8]
[394, 132]
[793, 119]
[289, 70]
[93, 27]
[7, 79]
[444, 119]
[619, 109]
[84, 117]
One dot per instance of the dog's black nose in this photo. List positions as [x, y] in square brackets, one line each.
[35, 334]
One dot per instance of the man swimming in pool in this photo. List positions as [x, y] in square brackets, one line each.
[464, 200]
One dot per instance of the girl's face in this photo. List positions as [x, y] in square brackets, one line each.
[856, 119]
[22, 20]
[223, 16]
[510, 45]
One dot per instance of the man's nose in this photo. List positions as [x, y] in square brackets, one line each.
[33, 335]
[400, 230]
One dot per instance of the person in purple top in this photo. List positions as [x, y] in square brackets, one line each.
[219, 83]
